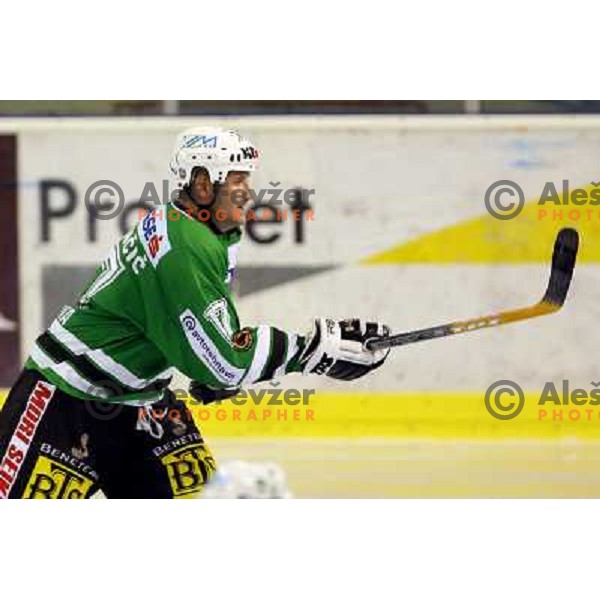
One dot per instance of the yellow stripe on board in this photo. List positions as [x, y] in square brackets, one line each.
[407, 415]
[527, 238]
[441, 415]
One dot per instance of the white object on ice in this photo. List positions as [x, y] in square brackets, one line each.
[247, 480]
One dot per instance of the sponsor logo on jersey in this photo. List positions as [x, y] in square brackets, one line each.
[53, 480]
[153, 232]
[154, 245]
[218, 314]
[19, 445]
[189, 469]
[176, 444]
[207, 351]
[73, 459]
[242, 339]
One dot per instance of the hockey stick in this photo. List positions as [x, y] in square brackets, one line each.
[563, 263]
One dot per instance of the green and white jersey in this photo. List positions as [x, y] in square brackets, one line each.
[160, 300]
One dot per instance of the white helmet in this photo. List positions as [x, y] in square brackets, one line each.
[247, 480]
[217, 150]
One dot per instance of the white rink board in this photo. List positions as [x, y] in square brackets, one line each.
[378, 182]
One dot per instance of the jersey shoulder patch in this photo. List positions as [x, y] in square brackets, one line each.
[153, 232]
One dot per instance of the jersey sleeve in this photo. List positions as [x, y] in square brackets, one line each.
[200, 333]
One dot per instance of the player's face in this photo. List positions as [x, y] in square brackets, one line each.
[202, 188]
[232, 201]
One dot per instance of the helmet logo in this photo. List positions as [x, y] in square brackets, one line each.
[249, 152]
[200, 141]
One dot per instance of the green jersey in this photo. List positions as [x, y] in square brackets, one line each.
[160, 300]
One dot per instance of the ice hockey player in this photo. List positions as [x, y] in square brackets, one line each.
[72, 422]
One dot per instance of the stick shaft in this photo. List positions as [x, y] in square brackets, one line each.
[456, 327]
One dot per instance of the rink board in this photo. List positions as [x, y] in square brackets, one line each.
[419, 445]
[431, 415]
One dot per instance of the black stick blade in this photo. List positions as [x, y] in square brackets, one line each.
[563, 263]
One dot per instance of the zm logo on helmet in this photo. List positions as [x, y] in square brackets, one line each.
[200, 140]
